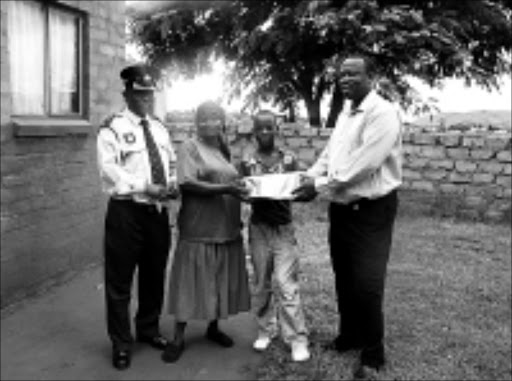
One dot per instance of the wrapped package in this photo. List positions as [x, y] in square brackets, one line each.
[278, 186]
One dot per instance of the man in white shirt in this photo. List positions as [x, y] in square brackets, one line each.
[136, 162]
[358, 172]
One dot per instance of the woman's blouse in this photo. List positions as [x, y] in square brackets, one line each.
[208, 218]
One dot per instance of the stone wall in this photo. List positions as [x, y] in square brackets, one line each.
[52, 208]
[451, 174]
[457, 174]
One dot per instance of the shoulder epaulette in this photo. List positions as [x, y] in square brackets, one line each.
[107, 122]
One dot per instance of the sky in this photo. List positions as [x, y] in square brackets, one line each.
[455, 96]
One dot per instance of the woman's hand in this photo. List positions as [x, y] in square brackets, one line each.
[162, 193]
[238, 189]
[172, 189]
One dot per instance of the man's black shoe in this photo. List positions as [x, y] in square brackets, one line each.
[365, 372]
[373, 357]
[158, 342]
[173, 352]
[121, 359]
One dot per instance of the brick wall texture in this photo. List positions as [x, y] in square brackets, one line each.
[451, 174]
[51, 205]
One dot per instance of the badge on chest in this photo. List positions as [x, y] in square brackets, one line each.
[129, 137]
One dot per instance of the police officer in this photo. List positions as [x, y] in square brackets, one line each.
[136, 163]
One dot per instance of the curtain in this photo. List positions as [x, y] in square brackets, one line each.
[63, 37]
[26, 48]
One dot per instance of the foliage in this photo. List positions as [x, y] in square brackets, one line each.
[287, 51]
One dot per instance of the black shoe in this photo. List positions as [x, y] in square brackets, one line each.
[158, 342]
[121, 359]
[373, 356]
[219, 337]
[341, 345]
[173, 352]
[366, 372]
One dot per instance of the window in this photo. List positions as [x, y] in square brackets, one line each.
[45, 49]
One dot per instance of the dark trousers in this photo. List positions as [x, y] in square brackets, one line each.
[360, 237]
[136, 236]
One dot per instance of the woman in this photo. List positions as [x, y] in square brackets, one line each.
[208, 277]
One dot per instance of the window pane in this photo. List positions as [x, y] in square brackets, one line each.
[64, 44]
[26, 51]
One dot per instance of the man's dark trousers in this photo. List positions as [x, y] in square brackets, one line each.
[136, 236]
[360, 236]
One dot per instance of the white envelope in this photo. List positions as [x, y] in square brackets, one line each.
[277, 186]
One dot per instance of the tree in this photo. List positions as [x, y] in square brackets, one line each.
[289, 50]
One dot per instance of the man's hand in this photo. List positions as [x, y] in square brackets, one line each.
[306, 191]
[157, 191]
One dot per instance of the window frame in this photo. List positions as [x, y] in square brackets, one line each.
[48, 124]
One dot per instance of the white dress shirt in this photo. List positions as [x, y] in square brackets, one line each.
[123, 157]
[362, 158]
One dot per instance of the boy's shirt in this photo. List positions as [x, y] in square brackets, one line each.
[264, 210]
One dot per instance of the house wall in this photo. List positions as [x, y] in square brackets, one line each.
[51, 205]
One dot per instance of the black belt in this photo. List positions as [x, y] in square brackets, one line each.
[141, 205]
[361, 202]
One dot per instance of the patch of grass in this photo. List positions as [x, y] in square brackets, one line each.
[448, 304]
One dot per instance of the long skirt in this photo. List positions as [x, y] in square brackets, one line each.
[208, 280]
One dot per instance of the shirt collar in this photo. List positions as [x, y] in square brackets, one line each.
[134, 118]
[277, 150]
[366, 103]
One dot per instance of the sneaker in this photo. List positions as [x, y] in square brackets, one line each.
[262, 343]
[300, 352]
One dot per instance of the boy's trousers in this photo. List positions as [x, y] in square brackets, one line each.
[277, 303]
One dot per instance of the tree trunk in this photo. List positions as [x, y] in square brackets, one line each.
[335, 107]
[290, 106]
[313, 107]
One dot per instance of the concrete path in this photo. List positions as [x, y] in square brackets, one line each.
[62, 336]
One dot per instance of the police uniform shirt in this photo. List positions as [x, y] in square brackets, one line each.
[123, 157]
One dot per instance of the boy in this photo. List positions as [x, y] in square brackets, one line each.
[272, 246]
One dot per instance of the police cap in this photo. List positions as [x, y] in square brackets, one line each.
[138, 77]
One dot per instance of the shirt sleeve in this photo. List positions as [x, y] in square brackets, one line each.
[188, 162]
[381, 136]
[123, 183]
[319, 168]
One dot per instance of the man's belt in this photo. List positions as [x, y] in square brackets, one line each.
[146, 205]
[356, 204]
